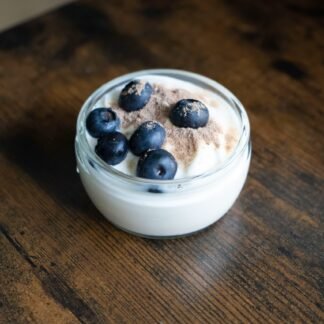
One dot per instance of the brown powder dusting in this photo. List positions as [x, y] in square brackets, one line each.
[231, 138]
[196, 106]
[137, 88]
[132, 165]
[150, 125]
[183, 143]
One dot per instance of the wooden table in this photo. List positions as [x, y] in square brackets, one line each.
[62, 262]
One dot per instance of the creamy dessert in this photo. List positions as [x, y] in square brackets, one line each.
[196, 150]
[163, 152]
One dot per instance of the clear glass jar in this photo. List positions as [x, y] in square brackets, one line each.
[182, 206]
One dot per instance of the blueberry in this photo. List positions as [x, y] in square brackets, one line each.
[135, 95]
[189, 113]
[91, 163]
[155, 190]
[157, 164]
[112, 148]
[101, 121]
[148, 136]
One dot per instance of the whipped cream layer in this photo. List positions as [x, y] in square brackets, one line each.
[196, 150]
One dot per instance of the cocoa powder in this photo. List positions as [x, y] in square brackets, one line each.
[183, 143]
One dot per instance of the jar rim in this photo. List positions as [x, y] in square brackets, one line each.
[206, 82]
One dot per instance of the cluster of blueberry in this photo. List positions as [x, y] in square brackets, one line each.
[147, 140]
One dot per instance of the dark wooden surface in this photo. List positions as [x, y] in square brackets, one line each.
[62, 262]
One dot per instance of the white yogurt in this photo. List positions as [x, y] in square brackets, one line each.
[207, 156]
[187, 204]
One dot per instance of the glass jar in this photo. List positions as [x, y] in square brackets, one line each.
[163, 208]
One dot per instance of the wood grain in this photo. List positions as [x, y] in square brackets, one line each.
[62, 262]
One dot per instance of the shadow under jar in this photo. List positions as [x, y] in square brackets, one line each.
[163, 208]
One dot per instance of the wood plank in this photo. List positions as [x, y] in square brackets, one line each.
[62, 262]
